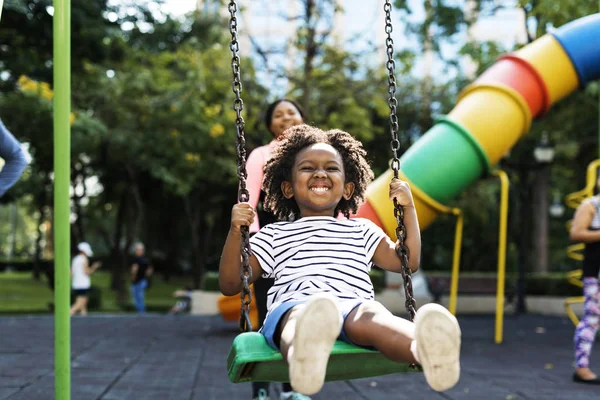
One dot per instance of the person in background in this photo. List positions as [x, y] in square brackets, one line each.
[141, 271]
[14, 160]
[279, 116]
[81, 277]
[586, 229]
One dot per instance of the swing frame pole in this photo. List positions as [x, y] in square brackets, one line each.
[62, 158]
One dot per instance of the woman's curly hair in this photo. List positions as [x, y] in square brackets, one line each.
[279, 168]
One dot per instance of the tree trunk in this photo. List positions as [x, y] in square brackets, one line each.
[428, 57]
[523, 238]
[116, 282]
[311, 50]
[79, 222]
[197, 261]
[132, 219]
[540, 221]
[196, 226]
[38, 248]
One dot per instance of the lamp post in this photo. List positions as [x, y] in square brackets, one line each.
[557, 209]
[543, 156]
[544, 151]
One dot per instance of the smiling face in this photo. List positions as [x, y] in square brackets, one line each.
[318, 181]
[285, 115]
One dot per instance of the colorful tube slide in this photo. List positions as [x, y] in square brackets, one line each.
[491, 115]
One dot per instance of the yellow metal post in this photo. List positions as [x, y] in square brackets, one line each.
[504, 188]
[456, 260]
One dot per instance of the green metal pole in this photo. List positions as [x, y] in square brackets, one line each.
[62, 157]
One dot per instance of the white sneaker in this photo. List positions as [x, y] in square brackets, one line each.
[438, 345]
[317, 329]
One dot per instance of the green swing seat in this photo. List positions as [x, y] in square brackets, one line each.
[251, 359]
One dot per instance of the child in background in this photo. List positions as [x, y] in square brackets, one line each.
[184, 301]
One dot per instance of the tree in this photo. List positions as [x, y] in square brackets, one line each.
[27, 38]
[541, 13]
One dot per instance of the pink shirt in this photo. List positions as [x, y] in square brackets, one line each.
[255, 166]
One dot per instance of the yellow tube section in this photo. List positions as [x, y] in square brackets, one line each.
[553, 64]
[495, 115]
[378, 196]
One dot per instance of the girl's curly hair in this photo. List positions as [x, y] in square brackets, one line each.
[279, 168]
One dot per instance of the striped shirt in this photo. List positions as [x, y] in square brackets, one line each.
[317, 255]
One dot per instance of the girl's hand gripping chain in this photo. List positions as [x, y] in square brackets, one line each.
[400, 190]
[242, 214]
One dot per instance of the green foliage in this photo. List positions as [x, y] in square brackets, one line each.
[556, 12]
[550, 285]
[26, 36]
[210, 282]
[377, 276]
[154, 127]
[19, 293]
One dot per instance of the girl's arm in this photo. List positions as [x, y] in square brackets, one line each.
[385, 255]
[231, 259]
[580, 230]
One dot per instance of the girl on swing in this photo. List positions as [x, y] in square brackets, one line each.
[322, 289]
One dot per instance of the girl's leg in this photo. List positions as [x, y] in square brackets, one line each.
[76, 306]
[433, 340]
[587, 328]
[134, 295]
[142, 295]
[308, 333]
[84, 302]
[372, 325]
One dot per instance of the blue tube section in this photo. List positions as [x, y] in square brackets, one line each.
[581, 41]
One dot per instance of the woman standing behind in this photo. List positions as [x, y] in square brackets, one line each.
[80, 277]
[279, 116]
[586, 229]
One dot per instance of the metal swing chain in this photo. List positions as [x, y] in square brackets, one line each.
[401, 248]
[243, 195]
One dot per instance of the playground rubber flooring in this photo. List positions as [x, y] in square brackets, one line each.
[183, 358]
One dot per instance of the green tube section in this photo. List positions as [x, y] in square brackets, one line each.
[62, 157]
[454, 152]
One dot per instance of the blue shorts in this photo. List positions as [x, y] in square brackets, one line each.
[269, 327]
